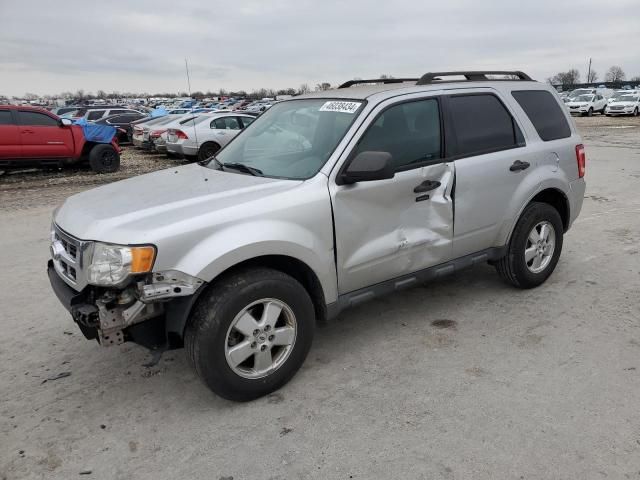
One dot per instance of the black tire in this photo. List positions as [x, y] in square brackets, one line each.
[207, 150]
[513, 267]
[590, 112]
[206, 333]
[635, 112]
[103, 158]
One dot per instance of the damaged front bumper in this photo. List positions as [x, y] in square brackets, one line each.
[152, 311]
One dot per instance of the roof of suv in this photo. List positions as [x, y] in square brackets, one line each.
[362, 89]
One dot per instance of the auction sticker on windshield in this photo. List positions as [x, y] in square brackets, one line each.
[340, 107]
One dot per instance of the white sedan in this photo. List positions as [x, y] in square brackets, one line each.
[587, 104]
[206, 134]
[625, 105]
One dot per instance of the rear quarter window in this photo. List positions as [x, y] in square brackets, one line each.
[5, 117]
[544, 112]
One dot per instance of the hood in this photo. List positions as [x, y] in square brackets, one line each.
[577, 104]
[131, 211]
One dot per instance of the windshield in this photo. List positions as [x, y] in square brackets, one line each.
[627, 98]
[618, 94]
[578, 92]
[583, 98]
[292, 139]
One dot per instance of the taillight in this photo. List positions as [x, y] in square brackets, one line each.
[180, 134]
[157, 133]
[581, 159]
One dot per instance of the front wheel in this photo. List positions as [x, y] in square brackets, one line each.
[590, 112]
[250, 333]
[535, 247]
[635, 112]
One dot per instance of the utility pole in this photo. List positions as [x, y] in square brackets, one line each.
[589, 72]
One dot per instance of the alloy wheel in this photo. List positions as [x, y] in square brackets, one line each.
[541, 244]
[260, 338]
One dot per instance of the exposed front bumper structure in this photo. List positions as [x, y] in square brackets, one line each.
[152, 313]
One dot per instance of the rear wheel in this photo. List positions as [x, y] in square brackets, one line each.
[535, 247]
[250, 333]
[103, 158]
[207, 150]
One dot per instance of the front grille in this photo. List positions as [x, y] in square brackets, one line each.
[616, 107]
[69, 257]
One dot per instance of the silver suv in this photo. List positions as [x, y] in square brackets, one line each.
[325, 201]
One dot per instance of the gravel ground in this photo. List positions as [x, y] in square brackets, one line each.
[465, 378]
[21, 189]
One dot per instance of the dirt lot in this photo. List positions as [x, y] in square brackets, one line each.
[464, 378]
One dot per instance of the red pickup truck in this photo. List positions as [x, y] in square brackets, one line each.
[32, 136]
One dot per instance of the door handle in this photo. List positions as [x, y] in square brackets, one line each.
[518, 165]
[427, 186]
[27, 130]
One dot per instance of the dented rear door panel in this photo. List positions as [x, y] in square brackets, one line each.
[385, 230]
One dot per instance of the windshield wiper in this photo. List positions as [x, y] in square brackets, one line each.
[241, 167]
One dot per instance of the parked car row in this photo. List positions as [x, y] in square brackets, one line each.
[587, 101]
[192, 136]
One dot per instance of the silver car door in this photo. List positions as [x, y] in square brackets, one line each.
[491, 163]
[388, 228]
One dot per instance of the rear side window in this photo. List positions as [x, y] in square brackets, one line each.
[544, 112]
[5, 117]
[95, 114]
[482, 124]
[37, 119]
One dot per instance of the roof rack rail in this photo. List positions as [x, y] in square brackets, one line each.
[350, 83]
[474, 76]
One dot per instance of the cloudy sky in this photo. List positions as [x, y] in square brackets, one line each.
[53, 46]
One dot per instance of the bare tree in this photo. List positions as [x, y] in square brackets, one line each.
[101, 94]
[592, 76]
[565, 78]
[385, 76]
[304, 88]
[321, 87]
[615, 74]
[635, 79]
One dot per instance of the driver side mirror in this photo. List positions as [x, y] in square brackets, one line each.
[368, 166]
[65, 122]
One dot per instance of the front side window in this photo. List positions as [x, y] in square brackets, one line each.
[410, 132]
[37, 119]
[292, 139]
[246, 121]
[482, 124]
[226, 123]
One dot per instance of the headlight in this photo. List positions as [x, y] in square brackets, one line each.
[112, 264]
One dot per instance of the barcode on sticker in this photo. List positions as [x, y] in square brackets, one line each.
[340, 107]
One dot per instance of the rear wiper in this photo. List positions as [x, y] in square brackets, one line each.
[241, 167]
